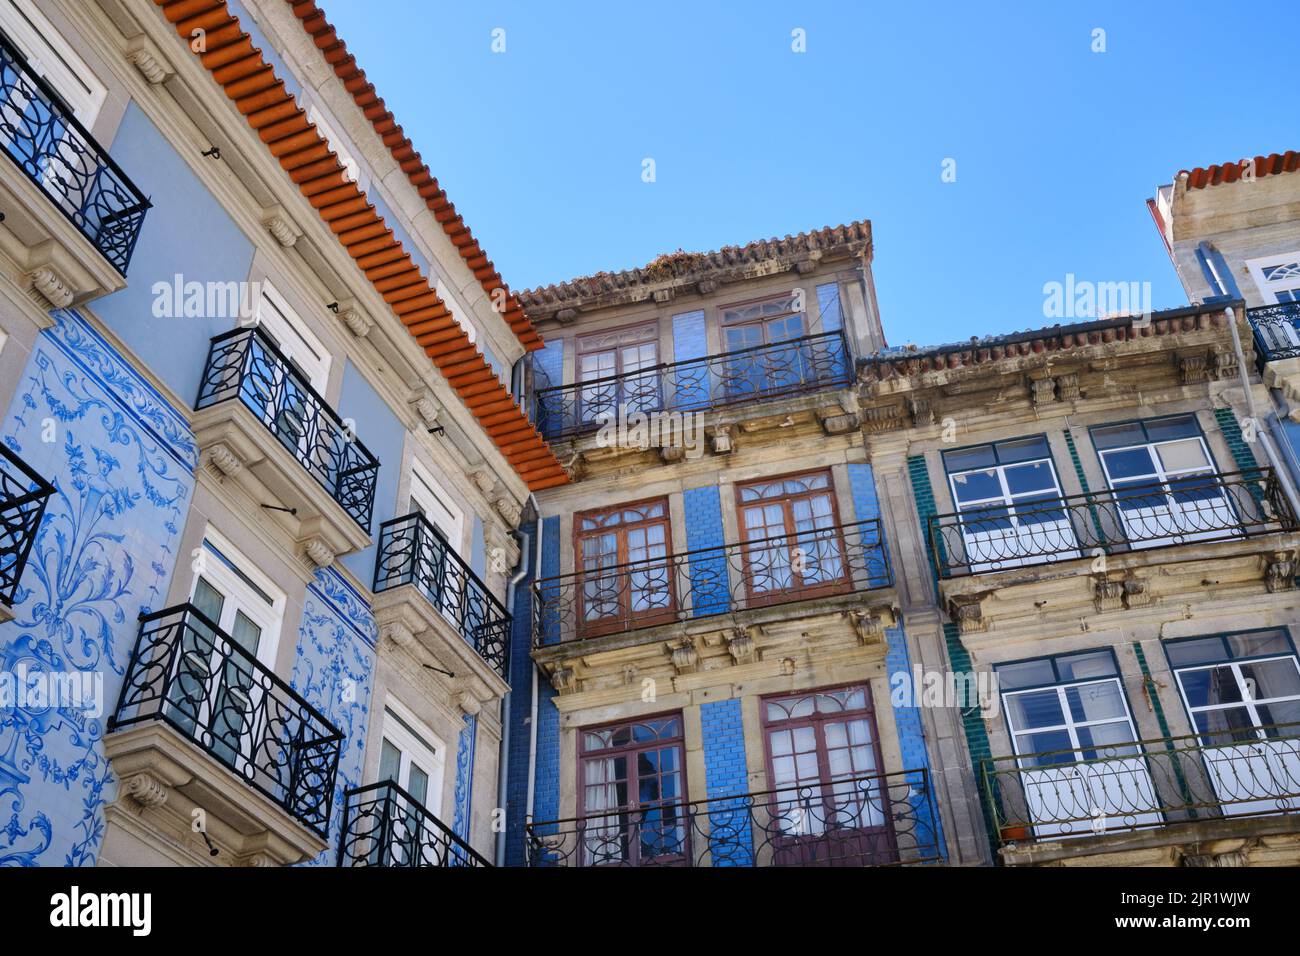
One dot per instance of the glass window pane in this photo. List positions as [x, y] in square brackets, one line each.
[967, 458]
[390, 761]
[1023, 449]
[1267, 680]
[1210, 685]
[1258, 644]
[1130, 463]
[1031, 477]
[1082, 666]
[208, 599]
[977, 486]
[418, 786]
[245, 633]
[1026, 674]
[1200, 651]
[1034, 709]
[1100, 701]
[1115, 436]
[1179, 426]
[1186, 455]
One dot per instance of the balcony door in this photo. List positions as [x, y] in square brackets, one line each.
[792, 540]
[1165, 483]
[1008, 499]
[752, 325]
[615, 370]
[1242, 694]
[1080, 767]
[827, 804]
[216, 690]
[625, 574]
[411, 757]
[631, 786]
[437, 573]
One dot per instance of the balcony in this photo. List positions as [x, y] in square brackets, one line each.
[412, 552]
[1137, 517]
[383, 825]
[879, 820]
[200, 717]
[23, 494]
[1136, 797]
[820, 567]
[259, 422]
[1277, 331]
[60, 159]
[760, 374]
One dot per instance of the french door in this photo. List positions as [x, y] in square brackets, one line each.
[1010, 507]
[625, 572]
[754, 324]
[828, 802]
[409, 758]
[615, 370]
[792, 538]
[632, 788]
[1165, 482]
[1079, 766]
[1237, 707]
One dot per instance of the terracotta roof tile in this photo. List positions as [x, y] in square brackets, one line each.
[334, 50]
[1200, 177]
[271, 110]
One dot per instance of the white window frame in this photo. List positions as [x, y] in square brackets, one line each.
[1268, 289]
[239, 595]
[414, 738]
[50, 55]
[293, 336]
[430, 495]
[1248, 701]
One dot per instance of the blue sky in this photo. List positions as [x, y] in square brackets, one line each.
[1057, 148]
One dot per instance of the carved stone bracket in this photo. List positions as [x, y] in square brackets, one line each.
[1193, 369]
[1123, 594]
[145, 790]
[1280, 571]
[740, 645]
[53, 287]
[968, 615]
[685, 656]
[355, 317]
[721, 440]
[146, 58]
[281, 227]
[223, 459]
[869, 627]
[564, 680]
[839, 424]
[318, 552]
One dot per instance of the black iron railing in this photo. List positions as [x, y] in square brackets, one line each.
[874, 820]
[1244, 772]
[245, 365]
[1212, 507]
[188, 673]
[23, 494]
[806, 566]
[383, 825]
[697, 385]
[58, 154]
[1277, 331]
[411, 551]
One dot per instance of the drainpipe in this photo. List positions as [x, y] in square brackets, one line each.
[532, 720]
[1279, 469]
[503, 764]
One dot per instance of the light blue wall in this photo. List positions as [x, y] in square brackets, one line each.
[186, 232]
[334, 671]
[122, 462]
[478, 550]
[380, 430]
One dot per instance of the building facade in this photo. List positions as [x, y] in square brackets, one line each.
[263, 461]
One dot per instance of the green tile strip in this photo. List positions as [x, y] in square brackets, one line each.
[1083, 483]
[977, 738]
[1241, 453]
[1149, 686]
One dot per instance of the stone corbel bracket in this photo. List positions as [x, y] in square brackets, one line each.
[279, 224]
[149, 60]
[968, 615]
[356, 318]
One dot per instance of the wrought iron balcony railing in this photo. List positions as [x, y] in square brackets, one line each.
[23, 494]
[1241, 772]
[58, 154]
[411, 551]
[383, 825]
[809, 565]
[188, 673]
[1211, 507]
[1277, 331]
[877, 820]
[697, 385]
[245, 365]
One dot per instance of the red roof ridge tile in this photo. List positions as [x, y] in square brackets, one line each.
[1271, 165]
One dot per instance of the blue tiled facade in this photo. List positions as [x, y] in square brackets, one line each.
[710, 592]
[726, 775]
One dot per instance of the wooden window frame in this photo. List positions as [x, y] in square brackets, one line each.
[626, 616]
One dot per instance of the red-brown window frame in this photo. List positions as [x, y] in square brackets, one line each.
[580, 809]
[625, 616]
[843, 584]
[723, 324]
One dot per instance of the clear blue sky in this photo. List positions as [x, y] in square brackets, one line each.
[1057, 148]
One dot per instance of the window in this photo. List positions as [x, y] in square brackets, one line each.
[791, 529]
[766, 322]
[1009, 500]
[611, 361]
[412, 758]
[825, 774]
[1070, 725]
[625, 575]
[293, 338]
[1242, 694]
[1165, 482]
[1277, 277]
[216, 687]
[53, 59]
[632, 784]
[437, 507]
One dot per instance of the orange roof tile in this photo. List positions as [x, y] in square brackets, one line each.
[304, 154]
[1200, 177]
[335, 52]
